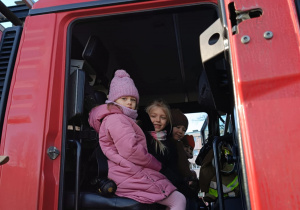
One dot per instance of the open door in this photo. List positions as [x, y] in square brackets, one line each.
[260, 42]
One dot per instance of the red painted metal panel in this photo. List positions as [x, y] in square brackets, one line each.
[33, 120]
[267, 82]
[51, 3]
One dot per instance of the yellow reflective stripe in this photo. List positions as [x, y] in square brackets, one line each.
[226, 189]
[213, 192]
[235, 182]
[227, 152]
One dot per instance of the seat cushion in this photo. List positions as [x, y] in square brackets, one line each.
[94, 201]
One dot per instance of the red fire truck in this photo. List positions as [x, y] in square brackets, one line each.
[236, 60]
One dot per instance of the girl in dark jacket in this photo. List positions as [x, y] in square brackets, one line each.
[179, 127]
[168, 151]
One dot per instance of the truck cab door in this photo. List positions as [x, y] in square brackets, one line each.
[260, 42]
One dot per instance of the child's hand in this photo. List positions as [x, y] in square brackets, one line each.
[194, 185]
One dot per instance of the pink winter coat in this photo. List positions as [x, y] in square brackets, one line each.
[135, 171]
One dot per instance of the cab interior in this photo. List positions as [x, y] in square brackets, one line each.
[161, 52]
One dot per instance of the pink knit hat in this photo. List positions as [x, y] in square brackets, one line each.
[122, 85]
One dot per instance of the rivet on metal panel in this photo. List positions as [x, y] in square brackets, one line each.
[245, 39]
[268, 35]
[53, 152]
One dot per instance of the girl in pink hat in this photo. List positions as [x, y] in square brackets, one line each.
[134, 170]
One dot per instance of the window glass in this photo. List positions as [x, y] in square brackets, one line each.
[204, 131]
[196, 152]
[222, 120]
[195, 167]
[196, 121]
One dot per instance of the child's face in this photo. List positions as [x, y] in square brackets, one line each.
[127, 101]
[189, 151]
[158, 118]
[178, 132]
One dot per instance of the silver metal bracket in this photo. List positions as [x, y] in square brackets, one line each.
[212, 42]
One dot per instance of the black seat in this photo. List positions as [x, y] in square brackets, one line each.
[94, 201]
[234, 203]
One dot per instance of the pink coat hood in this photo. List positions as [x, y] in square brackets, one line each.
[99, 113]
[135, 171]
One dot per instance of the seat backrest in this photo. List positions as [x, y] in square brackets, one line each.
[76, 96]
[97, 166]
[100, 98]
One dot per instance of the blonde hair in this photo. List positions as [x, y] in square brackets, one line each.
[160, 104]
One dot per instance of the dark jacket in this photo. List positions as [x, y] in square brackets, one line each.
[171, 159]
[184, 172]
